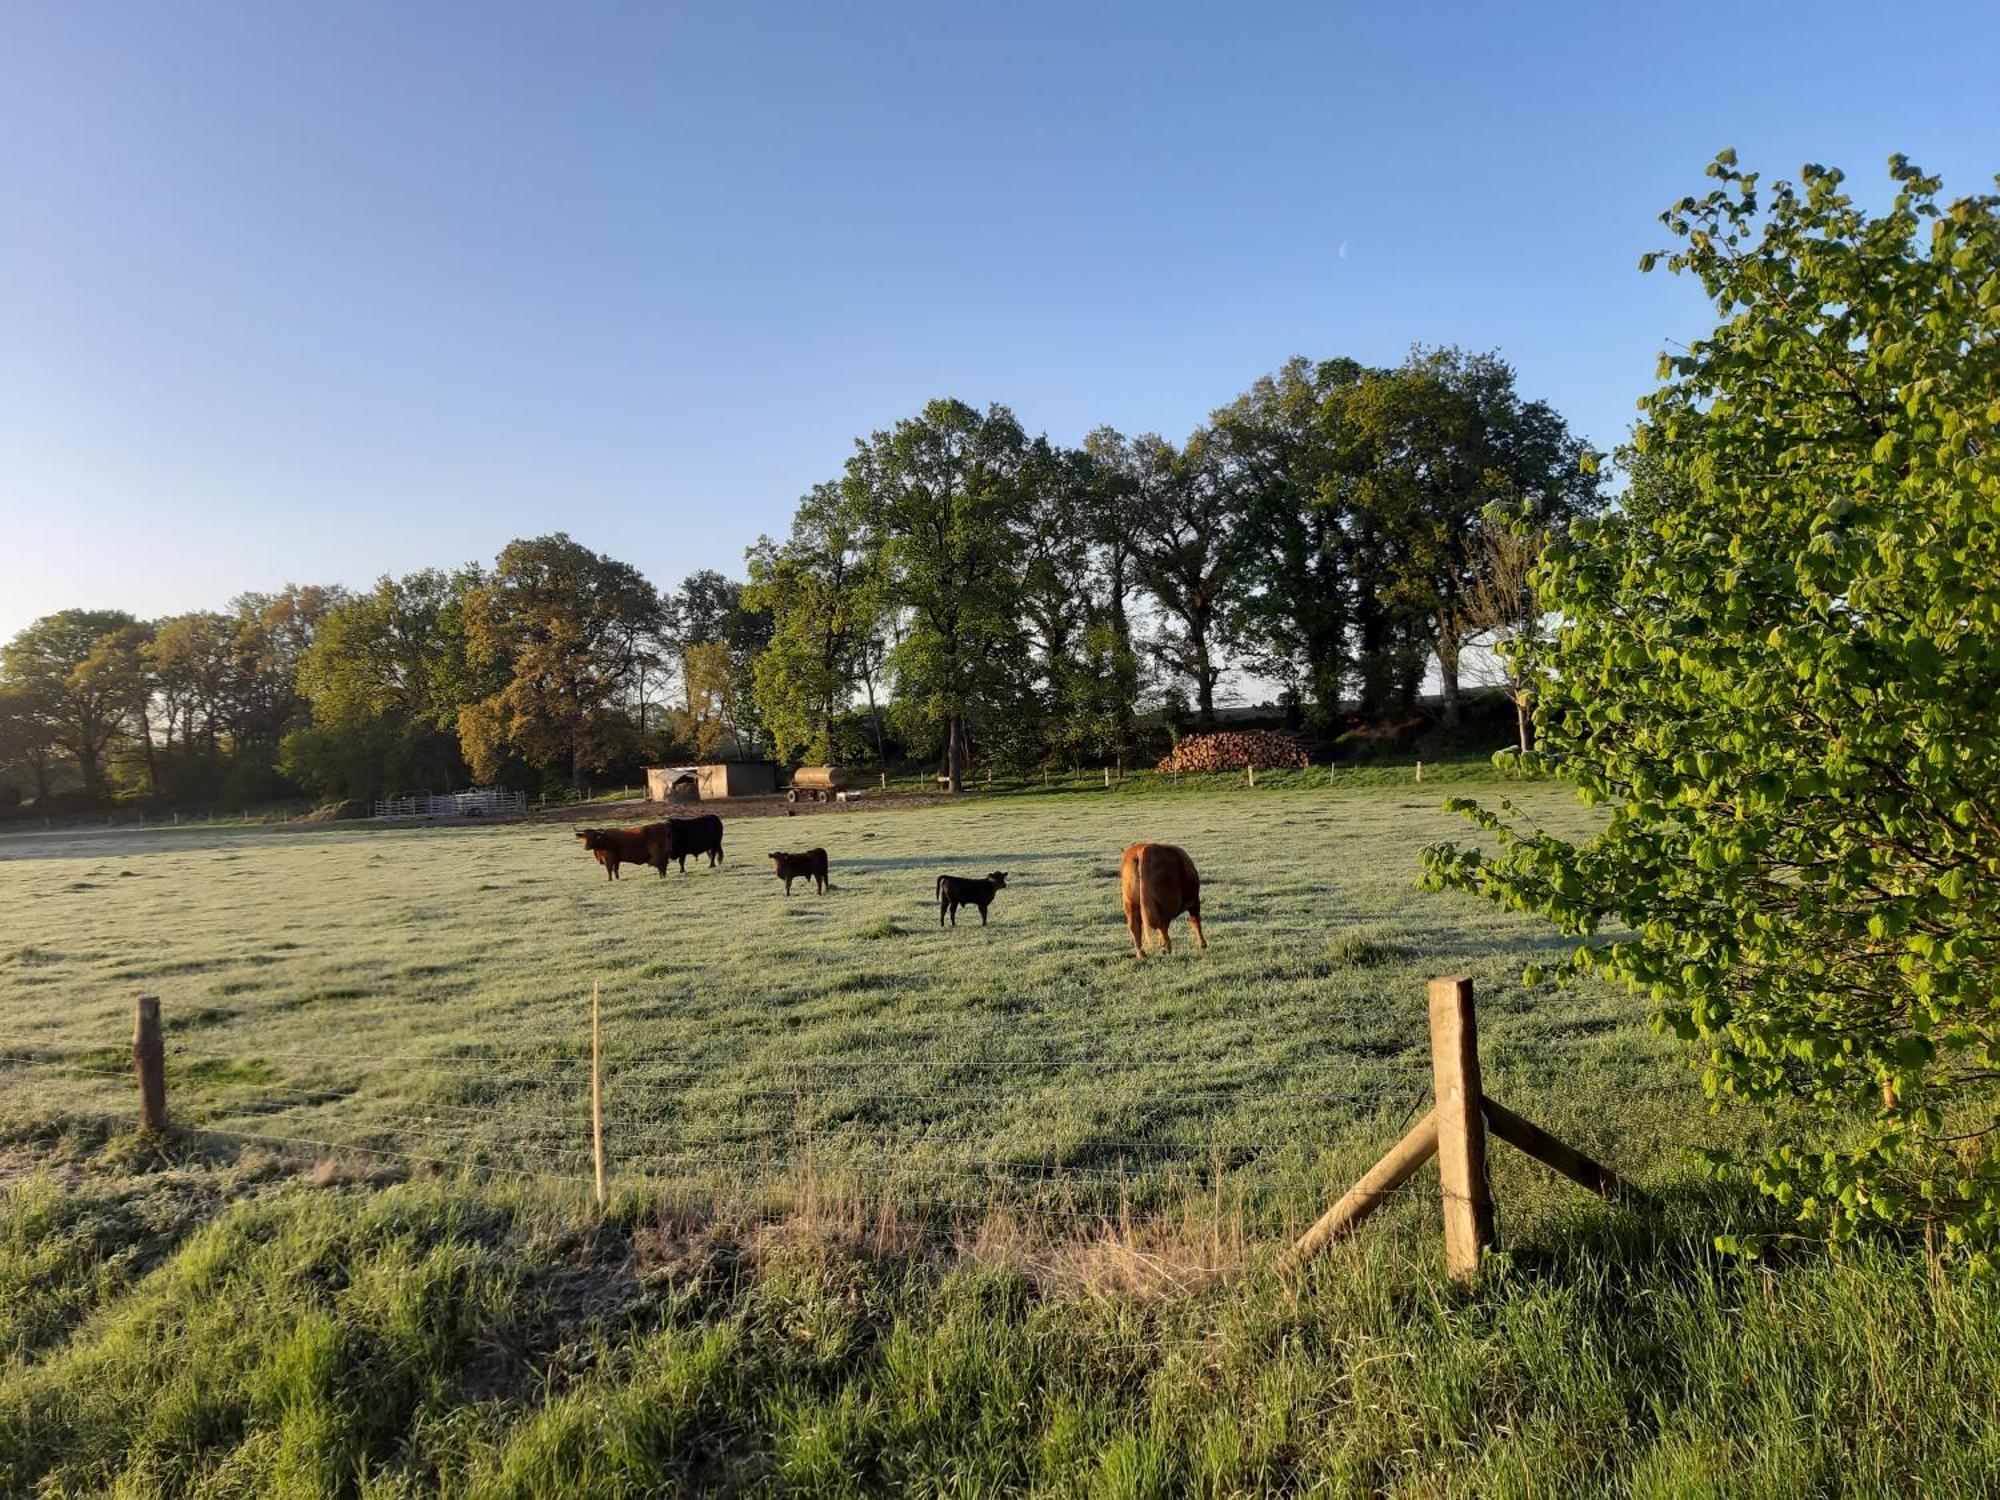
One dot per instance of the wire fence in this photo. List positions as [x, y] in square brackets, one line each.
[950, 1132]
[482, 802]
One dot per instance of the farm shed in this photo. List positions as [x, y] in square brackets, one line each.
[739, 778]
[673, 783]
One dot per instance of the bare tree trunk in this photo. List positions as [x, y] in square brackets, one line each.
[1411, 657]
[1447, 657]
[875, 720]
[954, 753]
[1204, 679]
[1521, 715]
[152, 756]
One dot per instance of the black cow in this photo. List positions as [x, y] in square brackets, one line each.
[702, 835]
[954, 891]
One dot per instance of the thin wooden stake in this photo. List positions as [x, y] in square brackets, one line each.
[596, 1096]
[149, 1062]
[1395, 1168]
[1461, 1126]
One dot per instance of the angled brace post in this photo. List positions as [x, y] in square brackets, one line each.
[1455, 1133]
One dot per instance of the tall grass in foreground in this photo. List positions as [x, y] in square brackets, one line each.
[416, 1338]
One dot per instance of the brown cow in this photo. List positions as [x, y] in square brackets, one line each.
[808, 866]
[645, 844]
[1158, 882]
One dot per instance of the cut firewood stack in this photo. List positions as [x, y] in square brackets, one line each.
[1232, 750]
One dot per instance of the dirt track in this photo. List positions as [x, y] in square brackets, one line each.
[773, 806]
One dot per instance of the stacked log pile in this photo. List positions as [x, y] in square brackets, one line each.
[1232, 750]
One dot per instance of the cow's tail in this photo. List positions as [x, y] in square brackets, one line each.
[940, 887]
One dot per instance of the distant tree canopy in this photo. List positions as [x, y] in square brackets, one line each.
[559, 626]
[1778, 665]
[386, 674]
[65, 686]
[961, 589]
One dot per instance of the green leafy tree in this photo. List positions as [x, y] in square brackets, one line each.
[81, 711]
[1069, 695]
[118, 672]
[194, 670]
[26, 742]
[1113, 516]
[1189, 546]
[711, 609]
[940, 496]
[1438, 441]
[386, 673]
[1284, 442]
[1778, 664]
[718, 722]
[1501, 610]
[272, 633]
[557, 622]
[821, 591]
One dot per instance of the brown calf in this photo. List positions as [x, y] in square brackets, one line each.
[810, 865]
[1158, 882]
[645, 844]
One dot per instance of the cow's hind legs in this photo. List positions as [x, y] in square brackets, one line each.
[1137, 926]
[1194, 921]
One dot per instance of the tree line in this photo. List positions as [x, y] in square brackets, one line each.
[960, 589]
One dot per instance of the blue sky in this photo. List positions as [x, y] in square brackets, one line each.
[315, 292]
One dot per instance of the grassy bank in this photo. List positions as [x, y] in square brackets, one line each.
[232, 1329]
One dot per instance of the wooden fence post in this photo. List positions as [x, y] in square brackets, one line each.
[1455, 1132]
[1461, 1127]
[596, 1096]
[149, 1062]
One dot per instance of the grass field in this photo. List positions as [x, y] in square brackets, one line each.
[972, 1211]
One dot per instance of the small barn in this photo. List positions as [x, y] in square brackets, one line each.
[673, 783]
[739, 778]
